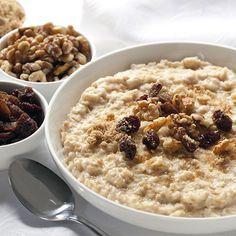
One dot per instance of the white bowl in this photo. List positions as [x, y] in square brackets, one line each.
[10, 152]
[114, 62]
[46, 88]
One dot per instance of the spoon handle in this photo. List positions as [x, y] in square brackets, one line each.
[88, 224]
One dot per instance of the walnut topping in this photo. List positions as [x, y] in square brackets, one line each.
[176, 112]
[225, 146]
[183, 103]
[190, 144]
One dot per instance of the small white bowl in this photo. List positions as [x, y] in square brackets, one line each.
[46, 88]
[114, 62]
[10, 152]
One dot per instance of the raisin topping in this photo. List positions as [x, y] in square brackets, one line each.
[128, 125]
[151, 140]
[165, 97]
[168, 108]
[155, 89]
[190, 144]
[209, 139]
[143, 97]
[127, 145]
[222, 121]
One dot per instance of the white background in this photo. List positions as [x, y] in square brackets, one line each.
[112, 25]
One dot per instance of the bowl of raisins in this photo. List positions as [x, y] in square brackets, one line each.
[22, 113]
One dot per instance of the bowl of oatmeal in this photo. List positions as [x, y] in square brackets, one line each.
[44, 56]
[147, 134]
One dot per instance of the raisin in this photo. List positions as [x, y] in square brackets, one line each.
[151, 140]
[168, 108]
[6, 137]
[155, 89]
[222, 121]
[127, 145]
[24, 95]
[25, 126]
[129, 124]
[15, 111]
[4, 111]
[165, 97]
[208, 139]
[143, 97]
[190, 144]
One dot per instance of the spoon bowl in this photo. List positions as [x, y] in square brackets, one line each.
[45, 194]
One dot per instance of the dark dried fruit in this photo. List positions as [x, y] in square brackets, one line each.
[24, 95]
[127, 145]
[168, 108]
[128, 125]
[19, 117]
[190, 144]
[165, 97]
[151, 140]
[6, 137]
[222, 121]
[143, 97]
[209, 139]
[155, 89]
[4, 111]
[15, 111]
[25, 126]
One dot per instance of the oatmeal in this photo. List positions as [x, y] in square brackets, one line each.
[159, 137]
[11, 16]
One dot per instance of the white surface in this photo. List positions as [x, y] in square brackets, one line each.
[110, 64]
[115, 24]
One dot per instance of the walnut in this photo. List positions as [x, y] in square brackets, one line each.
[183, 103]
[37, 76]
[225, 146]
[171, 145]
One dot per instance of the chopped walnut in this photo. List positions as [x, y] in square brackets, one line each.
[171, 145]
[183, 103]
[225, 146]
[45, 53]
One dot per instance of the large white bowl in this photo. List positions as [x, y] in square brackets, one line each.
[46, 88]
[12, 151]
[69, 93]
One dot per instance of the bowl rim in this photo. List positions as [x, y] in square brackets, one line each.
[4, 38]
[65, 172]
[44, 108]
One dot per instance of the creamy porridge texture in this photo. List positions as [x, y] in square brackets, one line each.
[158, 137]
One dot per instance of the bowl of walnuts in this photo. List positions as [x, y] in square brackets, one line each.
[43, 56]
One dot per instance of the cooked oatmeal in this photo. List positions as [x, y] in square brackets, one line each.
[159, 137]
